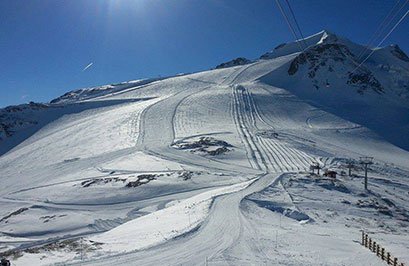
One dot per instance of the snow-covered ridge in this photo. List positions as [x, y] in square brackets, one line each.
[98, 91]
[294, 47]
[325, 53]
[25, 117]
[235, 62]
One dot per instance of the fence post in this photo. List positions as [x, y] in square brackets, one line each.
[379, 250]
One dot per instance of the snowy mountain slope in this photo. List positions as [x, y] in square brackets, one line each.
[213, 167]
[24, 120]
[392, 71]
[325, 50]
[326, 74]
[20, 122]
[12, 118]
[95, 92]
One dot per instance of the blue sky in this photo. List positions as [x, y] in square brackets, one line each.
[46, 44]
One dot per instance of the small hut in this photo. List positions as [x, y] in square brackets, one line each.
[330, 173]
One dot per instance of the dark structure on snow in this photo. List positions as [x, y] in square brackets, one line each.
[330, 173]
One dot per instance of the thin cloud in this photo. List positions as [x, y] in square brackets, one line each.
[88, 66]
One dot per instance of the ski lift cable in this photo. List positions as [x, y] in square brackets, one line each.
[296, 23]
[291, 28]
[389, 22]
[289, 24]
[397, 24]
[380, 43]
[299, 29]
[379, 29]
[392, 19]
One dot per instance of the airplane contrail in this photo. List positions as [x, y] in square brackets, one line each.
[88, 66]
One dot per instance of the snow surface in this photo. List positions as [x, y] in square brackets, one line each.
[213, 167]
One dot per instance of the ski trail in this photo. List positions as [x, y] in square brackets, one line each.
[277, 160]
[267, 154]
[156, 137]
[248, 123]
[240, 129]
[243, 119]
[220, 231]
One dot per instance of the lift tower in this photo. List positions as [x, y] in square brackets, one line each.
[350, 165]
[365, 160]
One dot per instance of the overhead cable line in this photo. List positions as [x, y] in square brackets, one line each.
[292, 29]
[296, 23]
[392, 19]
[289, 24]
[380, 43]
[381, 27]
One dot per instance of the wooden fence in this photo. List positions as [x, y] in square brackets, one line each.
[379, 251]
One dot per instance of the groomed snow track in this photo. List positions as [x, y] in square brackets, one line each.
[222, 229]
[266, 154]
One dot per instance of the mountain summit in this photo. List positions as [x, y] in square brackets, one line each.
[327, 59]
[329, 72]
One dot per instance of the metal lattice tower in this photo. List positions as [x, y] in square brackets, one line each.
[366, 160]
[315, 166]
[350, 165]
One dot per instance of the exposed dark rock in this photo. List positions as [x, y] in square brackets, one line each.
[365, 81]
[4, 262]
[235, 62]
[280, 46]
[186, 175]
[5, 218]
[323, 57]
[396, 51]
[69, 245]
[142, 179]
[208, 145]
[218, 151]
[317, 56]
[98, 181]
[14, 118]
